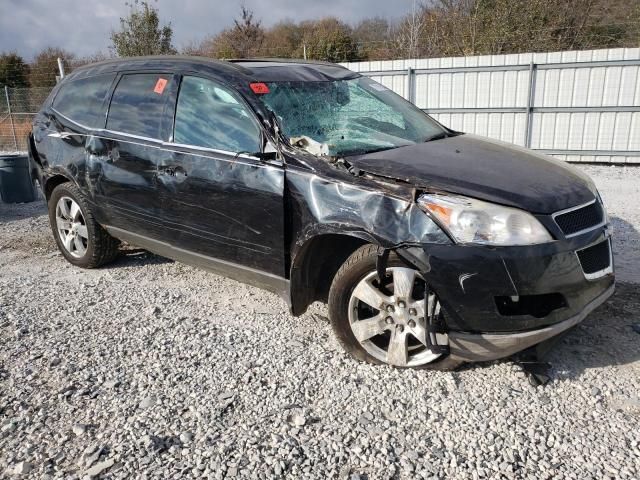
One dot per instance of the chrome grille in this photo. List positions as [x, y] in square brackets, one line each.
[580, 219]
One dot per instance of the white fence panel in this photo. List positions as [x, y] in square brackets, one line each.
[576, 105]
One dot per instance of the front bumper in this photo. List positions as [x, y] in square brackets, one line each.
[472, 281]
[480, 347]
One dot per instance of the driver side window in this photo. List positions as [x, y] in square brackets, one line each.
[211, 116]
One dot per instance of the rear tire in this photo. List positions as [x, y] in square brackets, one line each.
[361, 267]
[80, 239]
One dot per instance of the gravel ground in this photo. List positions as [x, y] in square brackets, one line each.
[152, 369]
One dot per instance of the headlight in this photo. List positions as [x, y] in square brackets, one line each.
[473, 221]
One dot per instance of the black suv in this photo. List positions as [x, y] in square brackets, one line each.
[431, 247]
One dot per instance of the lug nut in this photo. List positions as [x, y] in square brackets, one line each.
[412, 311]
[412, 323]
[400, 328]
[390, 308]
[401, 304]
[389, 320]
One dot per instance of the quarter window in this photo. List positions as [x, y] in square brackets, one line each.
[137, 105]
[211, 116]
[83, 100]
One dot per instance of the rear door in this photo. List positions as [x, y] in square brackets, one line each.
[219, 199]
[130, 151]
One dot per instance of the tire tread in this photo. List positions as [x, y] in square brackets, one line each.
[105, 247]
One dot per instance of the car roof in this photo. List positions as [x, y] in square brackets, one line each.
[236, 70]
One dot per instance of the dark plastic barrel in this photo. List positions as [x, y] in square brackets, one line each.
[16, 185]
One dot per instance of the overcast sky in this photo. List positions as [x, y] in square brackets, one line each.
[83, 26]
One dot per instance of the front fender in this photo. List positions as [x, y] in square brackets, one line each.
[320, 205]
[330, 218]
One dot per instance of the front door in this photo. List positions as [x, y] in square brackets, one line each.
[220, 201]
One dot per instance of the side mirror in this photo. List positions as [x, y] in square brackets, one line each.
[269, 148]
[269, 152]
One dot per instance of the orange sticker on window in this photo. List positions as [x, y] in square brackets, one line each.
[160, 84]
[259, 88]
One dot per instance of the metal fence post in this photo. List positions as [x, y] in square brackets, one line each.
[533, 71]
[410, 85]
[61, 68]
[13, 128]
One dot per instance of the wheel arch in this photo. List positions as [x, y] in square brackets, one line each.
[52, 182]
[315, 264]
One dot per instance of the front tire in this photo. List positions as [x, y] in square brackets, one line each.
[383, 327]
[80, 239]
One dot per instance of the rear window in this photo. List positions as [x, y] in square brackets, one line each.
[138, 104]
[83, 100]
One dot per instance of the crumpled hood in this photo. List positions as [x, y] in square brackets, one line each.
[486, 169]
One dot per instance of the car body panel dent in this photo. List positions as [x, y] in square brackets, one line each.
[505, 272]
[331, 205]
[475, 347]
[217, 205]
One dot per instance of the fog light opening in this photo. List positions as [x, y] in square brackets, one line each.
[537, 306]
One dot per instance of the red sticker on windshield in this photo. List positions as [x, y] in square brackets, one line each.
[259, 88]
[160, 84]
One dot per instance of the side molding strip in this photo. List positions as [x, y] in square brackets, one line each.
[251, 276]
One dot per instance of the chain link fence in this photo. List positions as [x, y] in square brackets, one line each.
[18, 106]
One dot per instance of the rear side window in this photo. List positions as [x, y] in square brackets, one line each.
[212, 116]
[138, 104]
[83, 100]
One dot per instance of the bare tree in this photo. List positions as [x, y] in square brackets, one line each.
[408, 35]
[248, 33]
[473, 27]
[283, 40]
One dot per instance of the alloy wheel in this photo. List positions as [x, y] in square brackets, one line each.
[392, 326]
[71, 227]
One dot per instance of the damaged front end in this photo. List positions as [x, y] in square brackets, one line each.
[496, 300]
[476, 219]
[498, 303]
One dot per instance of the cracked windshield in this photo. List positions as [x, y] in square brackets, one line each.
[347, 117]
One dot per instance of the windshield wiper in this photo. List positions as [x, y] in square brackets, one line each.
[437, 136]
[366, 151]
